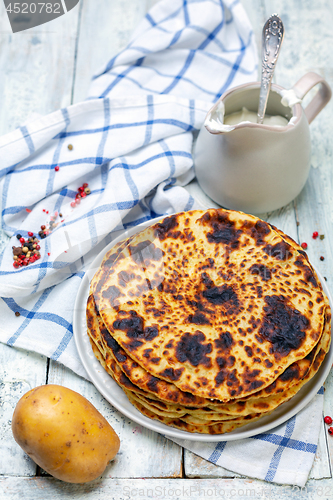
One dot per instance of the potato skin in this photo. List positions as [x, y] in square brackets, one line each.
[64, 433]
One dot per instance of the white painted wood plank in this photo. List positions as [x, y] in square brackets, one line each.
[321, 464]
[328, 410]
[104, 31]
[197, 467]
[163, 489]
[143, 453]
[36, 68]
[20, 371]
[308, 35]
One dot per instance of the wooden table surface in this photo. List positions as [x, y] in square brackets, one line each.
[48, 67]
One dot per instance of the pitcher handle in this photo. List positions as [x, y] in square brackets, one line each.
[319, 101]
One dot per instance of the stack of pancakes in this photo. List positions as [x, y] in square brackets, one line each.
[208, 320]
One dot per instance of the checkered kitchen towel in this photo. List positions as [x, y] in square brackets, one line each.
[131, 142]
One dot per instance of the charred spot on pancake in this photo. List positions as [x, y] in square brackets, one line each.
[118, 352]
[220, 377]
[262, 227]
[283, 326]
[262, 271]
[145, 252]
[188, 235]
[268, 363]
[223, 229]
[248, 351]
[124, 380]
[192, 348]
[224, 342]
[255, 384]
[133, 344]
[222, 362]
[257, 230]
[111, 294]
[223, 295]
[114, 256]
[231, 361]
[232, 379]
[209, 264]
[310, 277]
[133, 326]
[172, 374]
[155, 360]
[124, 278]
[164, 229]
[206, 280]
[292, 372]
[152, 383]
[198, 319]
[279, 251]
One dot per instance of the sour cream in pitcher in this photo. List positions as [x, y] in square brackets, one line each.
[250, 116]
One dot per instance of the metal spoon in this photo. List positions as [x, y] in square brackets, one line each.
[272, 38]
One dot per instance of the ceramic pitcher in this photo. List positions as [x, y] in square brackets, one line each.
[258, 168]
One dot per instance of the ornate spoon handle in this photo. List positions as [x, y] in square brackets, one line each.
[272, 37]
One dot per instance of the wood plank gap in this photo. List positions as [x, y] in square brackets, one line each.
[327, 447]
[76, 48]
[297, 220]
[47, 371]
[182, 472]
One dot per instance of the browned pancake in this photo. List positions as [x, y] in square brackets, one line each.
[216, 314]
[217, 303]
[212, 410]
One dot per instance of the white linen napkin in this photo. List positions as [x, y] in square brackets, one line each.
[131, 142]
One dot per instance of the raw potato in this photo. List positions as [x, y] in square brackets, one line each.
[64, 433]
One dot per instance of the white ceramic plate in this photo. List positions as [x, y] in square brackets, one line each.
[116, 396]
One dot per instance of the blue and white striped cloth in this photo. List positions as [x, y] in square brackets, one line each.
[283, 455]
[132, 141]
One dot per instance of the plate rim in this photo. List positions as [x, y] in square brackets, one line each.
[96, 371]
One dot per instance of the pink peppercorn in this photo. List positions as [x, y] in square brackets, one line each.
[56, 168]
[85, 185]
[330, 430]
[30, 233]
[315, 235]
[22, 240]
[73, 204]
[328, 420]
[304, 245]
